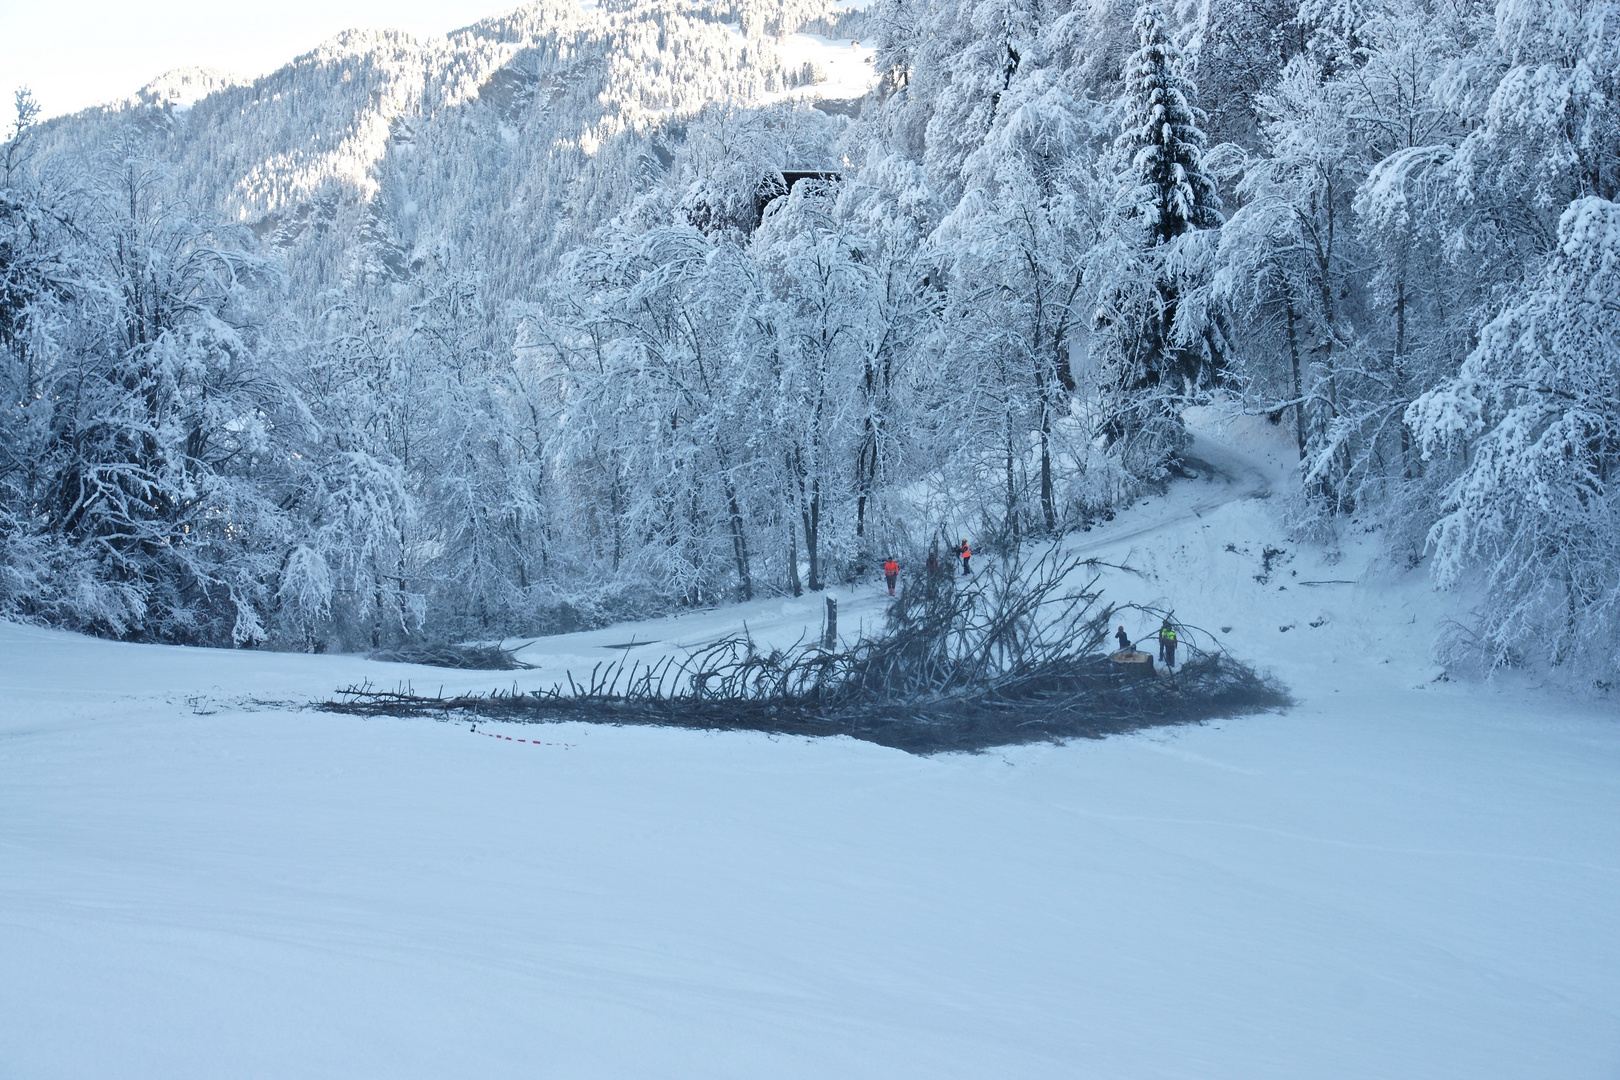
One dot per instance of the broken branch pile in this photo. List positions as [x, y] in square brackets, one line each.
[1016, 657]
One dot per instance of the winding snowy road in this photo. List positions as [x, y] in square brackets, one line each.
[1225, 476]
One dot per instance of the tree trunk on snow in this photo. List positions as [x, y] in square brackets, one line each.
[376, 615]
[739, 542]
[812, 535]
[1400, 373]
[1048, 500]
[793, 559]
[1012, 487]
[1299, 391]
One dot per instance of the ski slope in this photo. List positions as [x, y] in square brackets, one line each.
[1404, 876]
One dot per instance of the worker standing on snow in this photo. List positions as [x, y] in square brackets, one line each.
[891, 573]
[1167, 644]
[964, 553]
[1124, 639]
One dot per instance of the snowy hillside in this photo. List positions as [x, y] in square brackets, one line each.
[503, 143]
[1401, 876]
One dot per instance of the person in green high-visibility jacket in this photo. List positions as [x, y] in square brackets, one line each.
[1167, 644]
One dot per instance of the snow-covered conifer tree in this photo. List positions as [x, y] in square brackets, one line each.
[1169, 195]
[1162, 137]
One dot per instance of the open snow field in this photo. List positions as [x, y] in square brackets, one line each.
[1400, 877]
[843, 65]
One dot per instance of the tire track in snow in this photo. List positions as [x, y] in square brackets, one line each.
[1244, 480]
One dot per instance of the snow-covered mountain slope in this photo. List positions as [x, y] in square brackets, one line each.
[183, 87]
[498, 146]
[1401, 876]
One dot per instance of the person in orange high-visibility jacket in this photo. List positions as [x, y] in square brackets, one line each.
[891, 573]
[964, 553]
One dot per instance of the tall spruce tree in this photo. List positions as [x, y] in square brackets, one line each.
[1173, 195]
[1162, 136]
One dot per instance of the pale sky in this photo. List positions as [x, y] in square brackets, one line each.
[77, 53]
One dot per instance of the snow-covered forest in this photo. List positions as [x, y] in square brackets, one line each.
[588, 311]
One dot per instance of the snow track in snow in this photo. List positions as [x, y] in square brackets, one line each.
[1235, 478]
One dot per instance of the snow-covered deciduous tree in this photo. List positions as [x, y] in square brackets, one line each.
[1020, 245]
[356, 502]
[892, 209]
[151, 415]
[647, 349]
[1536, 411]
[813, 321]
[1286, 266]
[483, 509]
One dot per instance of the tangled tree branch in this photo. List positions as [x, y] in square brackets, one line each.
[1018, 656]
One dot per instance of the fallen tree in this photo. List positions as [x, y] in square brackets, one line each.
[466, 657]
[1017, 656]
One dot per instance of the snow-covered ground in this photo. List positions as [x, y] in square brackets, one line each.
[1403, 876]
[843, 66]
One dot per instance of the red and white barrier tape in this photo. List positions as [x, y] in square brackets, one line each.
[531, 742]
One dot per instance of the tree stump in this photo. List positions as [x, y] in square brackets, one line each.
[1134, 663]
